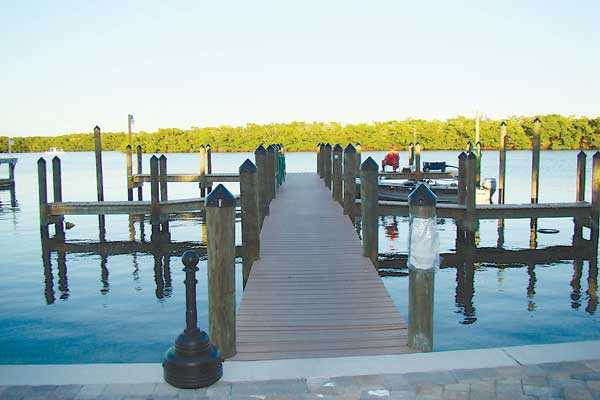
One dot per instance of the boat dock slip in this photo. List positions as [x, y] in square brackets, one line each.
[312, 293]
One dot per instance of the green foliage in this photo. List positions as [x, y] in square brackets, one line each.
[557, 132]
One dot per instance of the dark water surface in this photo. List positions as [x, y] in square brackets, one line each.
[124, 301]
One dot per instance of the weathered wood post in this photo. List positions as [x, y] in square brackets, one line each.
[535, 161]
[369, 204]
[154, 198]
[327, 165]
[595, 237]
[129, 160]
[43, 198]
[162, 171]
[423, 260]
[411, 154]
[478, 164]
[337, 173]
[350, 174]
[271, 171]
[579, 194]
[59, 229]
[98, 153]
[250, 217]
[418, 157]
[502, 164]
[220, 221]
[208, 167]
[358, 156]
[462, 195]
[202, 172]
[470, 219]
[139, 172]
[13, 182]
[260, 157]
[319, 153]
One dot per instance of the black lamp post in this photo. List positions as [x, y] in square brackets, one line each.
[193, 362]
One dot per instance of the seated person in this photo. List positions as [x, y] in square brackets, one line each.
[392, 158]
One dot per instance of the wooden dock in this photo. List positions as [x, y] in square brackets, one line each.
[312, 293]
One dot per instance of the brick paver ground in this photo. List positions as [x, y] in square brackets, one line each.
[565, 380]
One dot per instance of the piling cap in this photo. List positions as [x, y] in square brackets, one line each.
[41, 160]
[153, 158]
[190, 258]
[327, 146]
[220, 197]
[96, 129]
[271, 148]
[471, 156]
[369, 165]
[260, 150]
[503, 123]
[163, 157]
[350, 149]
[247, 166]
[462, 155]
[55, 159]
[338, 148]
[422, 196]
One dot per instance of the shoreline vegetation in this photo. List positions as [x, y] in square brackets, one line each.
[557, 133]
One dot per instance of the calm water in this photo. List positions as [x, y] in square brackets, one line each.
[124, 302]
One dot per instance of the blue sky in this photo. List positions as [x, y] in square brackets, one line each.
[68, 65]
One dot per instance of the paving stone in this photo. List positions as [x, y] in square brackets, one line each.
[403, 395]
[269, 388]
[465, 375]
[565, 382]
[90, 392]
[42, 392]
[67, 392]
[532, 370]
[114, 392]
[577, 393]
[430, 390]
[594, 386]
[587, 376]
[375, 394]
[535, 380]
[457, 387]
[541, 391]
[593, 364]
[369, 381]
[397, 382]
[219, 391]
[14, 392]
[483, 390]
[455, 395]
[441, 377]
[508, 390]
[509, 372]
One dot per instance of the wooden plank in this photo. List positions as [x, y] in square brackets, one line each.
[538, 210]
[208, 178]
[416, 175]
[312, 293]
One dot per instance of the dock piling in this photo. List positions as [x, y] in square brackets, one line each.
[260, 157]
[595, 212]
[220, 221]
[502, 164]
[98, 153]
[535, 161]
[337, 173]
[350, 174]
[271, 172]
[59, 229]
[411, 154]
[202, 172]
[470, 196]
[139, 172]
[423, 259]
[417, 157]
[162, 173]
[208, 166]
[579, 194]
[369, 199]
[154, 198]
[250, 217]
[327, 165]
[43, 198]
[129, 160]
[319, 160]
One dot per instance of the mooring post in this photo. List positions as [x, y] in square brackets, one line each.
[337, 173]
[411, 154]
[11, 174]
[139, 172]
[220, 221]
[154, 198]
[98, 153]
[423, 260]
[369, 199]
[271, 168]
[193, 362]
[595, 237]
[470, 197]
[250, 217]
[162, 171]
[59, 229]
[327, 167]
[478, 165]
[260, 157]
[358, 156]
[43, 198]
[208, 167]
[129, 160]
[418, 157]
[579, 194]
[535, 161]
[319, 151]
[350, 174]
[502, 164]
[202, 184]
[462, 195]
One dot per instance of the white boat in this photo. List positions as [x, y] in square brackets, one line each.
[53, 151]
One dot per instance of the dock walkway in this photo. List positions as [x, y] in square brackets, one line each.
[312, 293]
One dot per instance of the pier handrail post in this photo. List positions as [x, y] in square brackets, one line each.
[411, 154]
[59, 229]
[418, 157]
[535, 161]
[350, 174]
[162, 172]
[154, 197]
[139, 172]
[220, 221]
[579, 194]
[202, 172]
[43, 198]
[369, 199]
[423, 260]
[129, 160]
[358, 148]
[470, 197]
[193, 362]
[502, 164]
[208, 167]
[327, 165]
[337, 173]
[271, 171]
[260, 157]
[250, 217]
[478, 164]
[595, 236]
[319, 159]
